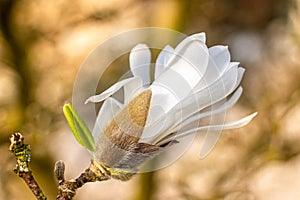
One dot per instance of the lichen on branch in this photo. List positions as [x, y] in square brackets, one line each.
[22, 153]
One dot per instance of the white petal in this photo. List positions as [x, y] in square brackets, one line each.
[186, 69]
[108, 110]
[162, 101]
[212, 74]
[140, 59]
[162, 59]
[220, 56]
[155, 129]
[175, 83]
[209, 142]
[169, 53]
[241, 72]
[193, 52]
[196, 37]
[132, 88]
[212, 94]
[173, 86]
[200, 37]
[233, 125]
[232, 64]
[114, 88]
[223, 107]
[158, 123]
[194, 103]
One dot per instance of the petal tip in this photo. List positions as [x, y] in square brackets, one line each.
[249, 118]
[140, 46]
[254, 114]
[89, 100]
[199, 36]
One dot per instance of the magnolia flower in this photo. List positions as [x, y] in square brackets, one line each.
[191, 82]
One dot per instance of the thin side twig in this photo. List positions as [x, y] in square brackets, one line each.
[22, 153]
[67, 188]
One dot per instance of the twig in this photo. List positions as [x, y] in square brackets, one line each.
[67, 188]
[22, 153]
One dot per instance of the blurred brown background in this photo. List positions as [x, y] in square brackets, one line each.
[43, 43]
